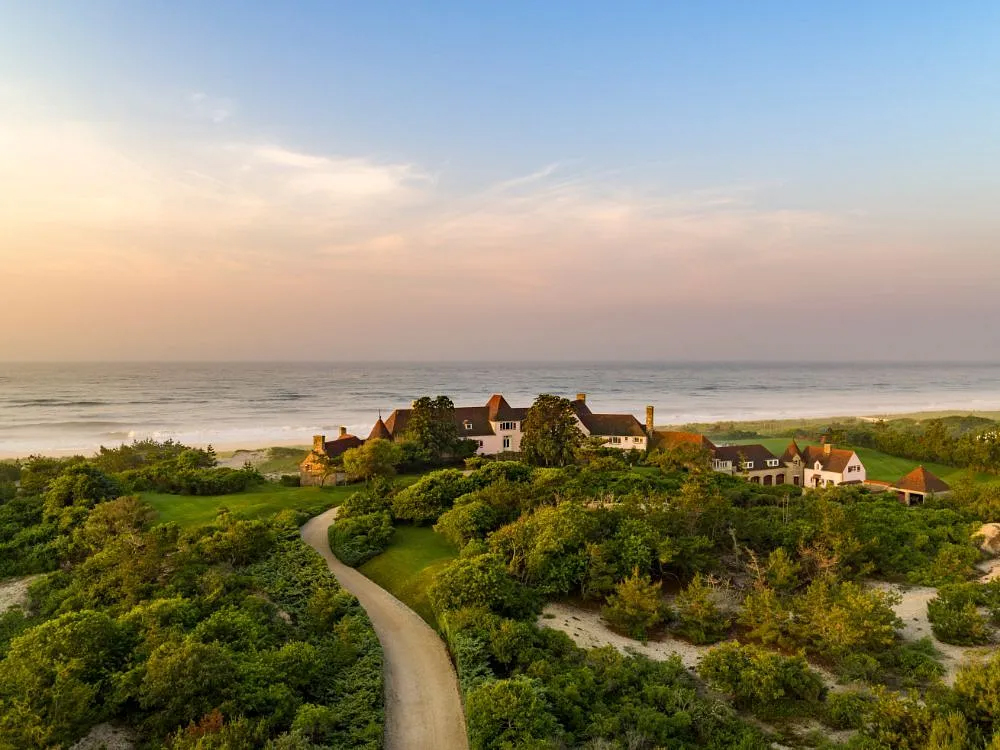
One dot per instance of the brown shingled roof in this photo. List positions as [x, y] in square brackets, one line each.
[380, 431]
[921, 480]
[790, 453]
[608, 425]
[671, 438]
[836, 460]
[343, 443]
[756, 453]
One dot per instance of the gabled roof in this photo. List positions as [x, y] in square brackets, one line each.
[756, 453]
[791, 453]
[500, 411]
[343, 443]
[380, 431]
[921, 480]
[671, 438]
[478, 416]
[836, 460]
[608, 425]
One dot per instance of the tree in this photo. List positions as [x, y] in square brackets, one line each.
[699, 618]
[376, 458]
[635, 607]
[509, 713]
[432, 432]
[550, 433]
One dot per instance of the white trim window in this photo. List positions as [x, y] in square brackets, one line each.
[748, 464]
[772, 462]
[508, 426]
[468, 425]
[615, 439]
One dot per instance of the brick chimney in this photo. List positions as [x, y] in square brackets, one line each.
[649, 421]
[318, 443]
[343, 431]
[827, 447]
[581, 397]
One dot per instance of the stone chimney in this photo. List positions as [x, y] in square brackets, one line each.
[581, 397]
[649, 421]
[343, 431]
[318, 443]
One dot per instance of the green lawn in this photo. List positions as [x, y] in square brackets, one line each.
[407, 568]
[266, 500]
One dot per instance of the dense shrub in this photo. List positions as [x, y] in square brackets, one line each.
[357, 539]
[479, 581]
[636, 607]
[954, 615]
[761, 681]
[425, 500]
[699, 618]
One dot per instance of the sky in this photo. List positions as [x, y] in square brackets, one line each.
[499, 180]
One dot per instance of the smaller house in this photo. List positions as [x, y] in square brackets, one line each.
[754, 462]
[823, 465]
[315, 469]
[916, 486]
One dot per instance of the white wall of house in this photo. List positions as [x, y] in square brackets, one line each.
[625, 443]
[855, 470]
[507, 438]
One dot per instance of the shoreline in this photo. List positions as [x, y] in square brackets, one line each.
[228, 446]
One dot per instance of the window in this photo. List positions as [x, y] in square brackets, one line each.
[748, 464]
[481, 443]
[772, 462]
[615, 439]
[506, 443]
[508, 425]
[637, 440]
[468, 425]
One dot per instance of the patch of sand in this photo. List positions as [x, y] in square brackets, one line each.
[106, 737]
[912, 610]
[14, 593]
[237, 459]
[588, 630]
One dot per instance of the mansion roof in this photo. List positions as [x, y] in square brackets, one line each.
[921, 480]
[607, 425]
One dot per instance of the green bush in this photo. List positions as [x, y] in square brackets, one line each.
[636, 607]
[699, 618]
[846, 709]
[424, 501]
[357, 539]
[759, 680]
[954, 616]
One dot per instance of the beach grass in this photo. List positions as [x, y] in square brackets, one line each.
[283, 460]
[407, 568]
[259, 502]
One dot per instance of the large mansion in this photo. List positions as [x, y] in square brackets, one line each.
[496, 427]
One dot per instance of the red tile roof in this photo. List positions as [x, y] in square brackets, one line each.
[921, 480]
[380, 431]
[670, 438]
[343, 443]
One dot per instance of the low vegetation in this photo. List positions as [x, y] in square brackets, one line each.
[230, 634]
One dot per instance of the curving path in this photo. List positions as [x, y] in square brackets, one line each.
[423, 708]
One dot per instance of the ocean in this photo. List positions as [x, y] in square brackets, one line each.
[66, 408]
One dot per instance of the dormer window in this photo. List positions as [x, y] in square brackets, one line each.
[772, 462]
[468, 425]
[511, 426]
[748, 464]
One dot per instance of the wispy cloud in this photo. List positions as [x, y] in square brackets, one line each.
[213, 108]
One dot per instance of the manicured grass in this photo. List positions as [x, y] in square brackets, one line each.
[259, 502]
[407, 568]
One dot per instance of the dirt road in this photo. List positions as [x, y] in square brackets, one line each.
[423, 709]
